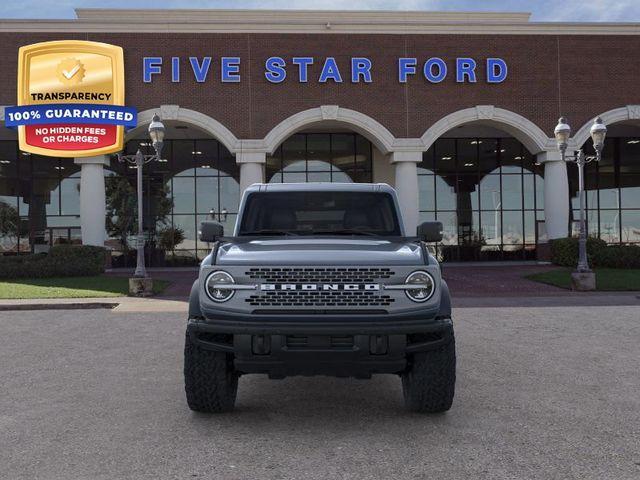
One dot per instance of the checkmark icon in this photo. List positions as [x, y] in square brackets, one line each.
[71, 73]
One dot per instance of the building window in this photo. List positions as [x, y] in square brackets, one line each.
[321, 157]
[39, 200]
[612, 190]
[201, 181]
[487, 192]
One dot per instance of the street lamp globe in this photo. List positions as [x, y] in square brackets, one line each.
[583, 278]
[598, 132]
[562, 133]
[156, 132]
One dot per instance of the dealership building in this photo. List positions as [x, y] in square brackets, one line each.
[455, 110]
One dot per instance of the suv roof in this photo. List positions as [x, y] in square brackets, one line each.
[320, 187]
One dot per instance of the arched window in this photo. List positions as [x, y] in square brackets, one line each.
[201, 180]
[612, 189]
[487, 192]
[321, 157]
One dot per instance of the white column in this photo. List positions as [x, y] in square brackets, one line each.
[406, 184]
[556, 194]
[93, 208]
[251, 168]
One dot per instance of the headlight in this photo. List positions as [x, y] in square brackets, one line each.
[425, 283]
[214, 289]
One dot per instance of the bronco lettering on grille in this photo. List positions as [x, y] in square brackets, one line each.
[322, 287]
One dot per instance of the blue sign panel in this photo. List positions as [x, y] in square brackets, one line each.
[70, 113]
[326, 70]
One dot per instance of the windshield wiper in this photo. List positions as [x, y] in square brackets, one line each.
[346, 231]
[269, 231]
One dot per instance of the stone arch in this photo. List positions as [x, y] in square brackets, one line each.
[527, 132]
[622, 114]
[197, 119]
[382, 138]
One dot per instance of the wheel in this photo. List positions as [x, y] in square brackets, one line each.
[210, 381]
[428, 384]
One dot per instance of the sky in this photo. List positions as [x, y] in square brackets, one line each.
[542, 10]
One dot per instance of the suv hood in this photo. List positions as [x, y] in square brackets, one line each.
[325, 251]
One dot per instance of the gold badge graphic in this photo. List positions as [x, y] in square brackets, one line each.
[72, 94]
[70, 71]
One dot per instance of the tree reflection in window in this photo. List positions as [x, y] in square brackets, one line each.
[321, 157]
[487, 193]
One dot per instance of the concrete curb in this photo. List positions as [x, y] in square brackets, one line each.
[57, 306]
[115, 304]
[180, 305]
[572, 299]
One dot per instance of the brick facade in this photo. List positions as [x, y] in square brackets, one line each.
[575, 75]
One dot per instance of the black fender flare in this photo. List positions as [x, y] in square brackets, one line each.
[445, 301]
[194, 300]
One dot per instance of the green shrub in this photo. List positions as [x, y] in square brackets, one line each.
[181, 261]
[169, 237]
[61, 261]
[618, 256]
[564, 252]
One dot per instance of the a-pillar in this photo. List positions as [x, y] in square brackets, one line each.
[406, 184]
[251, 168]
[556, 194]
[92, 199]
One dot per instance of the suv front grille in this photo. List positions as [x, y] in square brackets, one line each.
[319, 299]
[319, 274]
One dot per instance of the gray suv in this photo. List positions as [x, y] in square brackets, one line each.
[319, 279]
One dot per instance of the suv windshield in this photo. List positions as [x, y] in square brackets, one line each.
[320, 213]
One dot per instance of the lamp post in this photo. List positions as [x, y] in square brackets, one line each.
[562, 133]
[156, 133]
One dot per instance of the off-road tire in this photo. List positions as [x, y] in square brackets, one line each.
[428, 384]
[210, 381]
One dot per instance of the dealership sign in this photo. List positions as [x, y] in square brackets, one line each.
[323, 70]
[70, 99]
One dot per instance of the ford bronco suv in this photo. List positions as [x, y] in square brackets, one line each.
[319, 279]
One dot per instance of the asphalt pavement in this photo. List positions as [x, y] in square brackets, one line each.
[542, 393]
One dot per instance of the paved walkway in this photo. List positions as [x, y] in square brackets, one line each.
[497, 281]
[471, 286]
[181, 279]
[464, 281]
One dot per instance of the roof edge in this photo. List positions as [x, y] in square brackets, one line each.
[203, 21]
[262, 16]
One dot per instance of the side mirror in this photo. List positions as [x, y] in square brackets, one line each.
[210, 231]
[430, 231]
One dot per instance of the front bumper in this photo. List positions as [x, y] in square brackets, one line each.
[322, 346]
